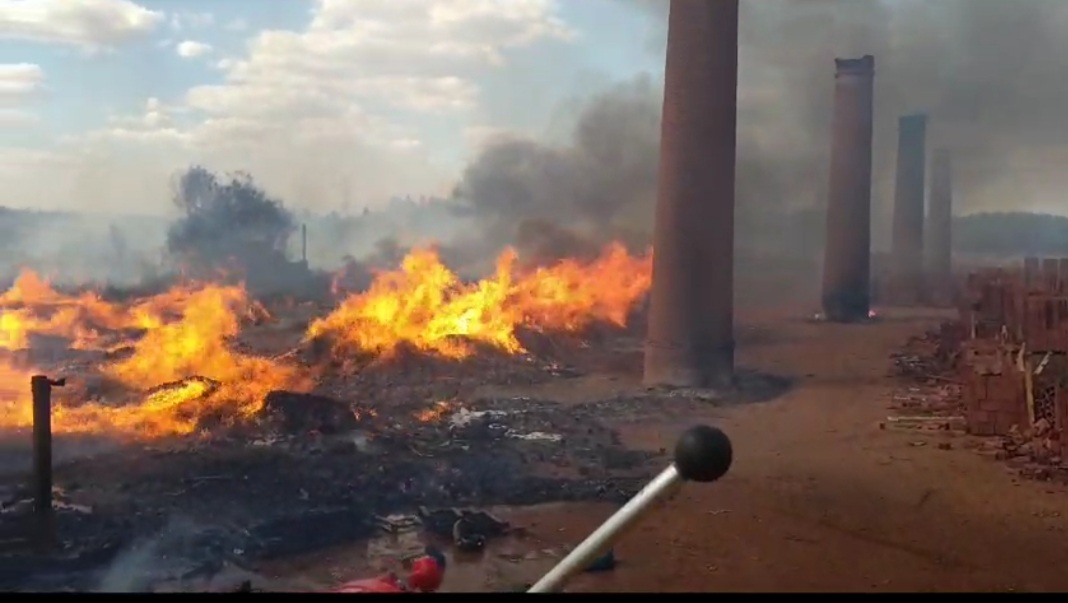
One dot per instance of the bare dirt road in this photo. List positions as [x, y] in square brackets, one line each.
[819, 498]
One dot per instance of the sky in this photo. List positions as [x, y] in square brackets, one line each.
[330, 104]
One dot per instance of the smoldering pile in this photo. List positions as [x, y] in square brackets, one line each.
[318, 462]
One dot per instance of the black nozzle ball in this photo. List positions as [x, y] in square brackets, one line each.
[703, 454]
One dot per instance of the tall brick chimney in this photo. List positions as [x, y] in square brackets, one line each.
[847, 253]
[691, 317]
[906, 253]
[940, 223]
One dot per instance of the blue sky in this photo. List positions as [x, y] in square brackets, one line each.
[84, 89]
[103, 60]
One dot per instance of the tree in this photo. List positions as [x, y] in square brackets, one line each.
[227, 221]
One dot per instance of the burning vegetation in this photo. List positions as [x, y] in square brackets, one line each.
[174, 363]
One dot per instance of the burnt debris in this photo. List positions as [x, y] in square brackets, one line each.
[288, 487]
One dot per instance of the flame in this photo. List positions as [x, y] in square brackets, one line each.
[201, 377]
[184, 372]
[197, 345]
[426, 306]
[33, 307]
[435, 413]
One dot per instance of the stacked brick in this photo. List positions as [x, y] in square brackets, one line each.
[993, 388]
[1018, 321]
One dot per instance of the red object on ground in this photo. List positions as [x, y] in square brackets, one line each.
[382, 584]
[425, 577]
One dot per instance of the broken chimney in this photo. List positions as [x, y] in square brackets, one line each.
[691, 317]
[907, 242]
[940, 223]
[847, 253]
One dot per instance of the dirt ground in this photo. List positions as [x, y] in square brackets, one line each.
[819, 497]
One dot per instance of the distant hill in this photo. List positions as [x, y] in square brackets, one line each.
[1011, 234]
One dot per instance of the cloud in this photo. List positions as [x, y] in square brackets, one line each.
[186, 20]
[91, 25]
[190, 49]
[340, 108]
[19, 84]
[16, 118]
[19, 81]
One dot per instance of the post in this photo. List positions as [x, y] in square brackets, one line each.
[940, 221]
[304, 243]
[847, 253]
[1050, 268]
[1032, 267]
[690, 340]
[907, 242]
[41, 390]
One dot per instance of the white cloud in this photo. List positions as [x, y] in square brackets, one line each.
[237, 25]
[187, 20]
[91, 25]
[348, 99]
[19, 84]
[16, 118]
[19, 81]
[190, 49]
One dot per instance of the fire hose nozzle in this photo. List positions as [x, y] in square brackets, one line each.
[703, 454]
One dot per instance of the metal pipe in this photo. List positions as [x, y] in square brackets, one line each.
[41, 389]
[847, 253]
[703, 454]
[601, 540]
[690, 340]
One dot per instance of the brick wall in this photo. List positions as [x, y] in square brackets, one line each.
[995, 403]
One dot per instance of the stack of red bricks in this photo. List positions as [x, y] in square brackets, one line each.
[995, 399]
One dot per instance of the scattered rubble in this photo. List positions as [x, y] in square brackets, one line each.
[999, 371]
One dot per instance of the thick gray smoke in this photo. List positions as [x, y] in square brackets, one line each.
[602, 181]
[989, 73]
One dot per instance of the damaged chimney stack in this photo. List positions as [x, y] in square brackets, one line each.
[940, 226]
[691, 317]
[906, 253]
[847, 253]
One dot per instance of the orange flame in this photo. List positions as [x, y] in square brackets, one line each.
[185, 346]
[426, 306]
[187, 373]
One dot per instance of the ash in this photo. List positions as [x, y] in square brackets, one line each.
[314, 472]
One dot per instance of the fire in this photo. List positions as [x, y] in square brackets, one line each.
[197, 345]
[182, 371]
[183, 365]
[435, 413]
[426, 306]
[33, 307]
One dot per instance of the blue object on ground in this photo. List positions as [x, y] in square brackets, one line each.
[606, 563]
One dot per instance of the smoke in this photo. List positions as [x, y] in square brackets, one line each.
[600, 181]
[989, 74]
[173, 552]
[81, 248]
